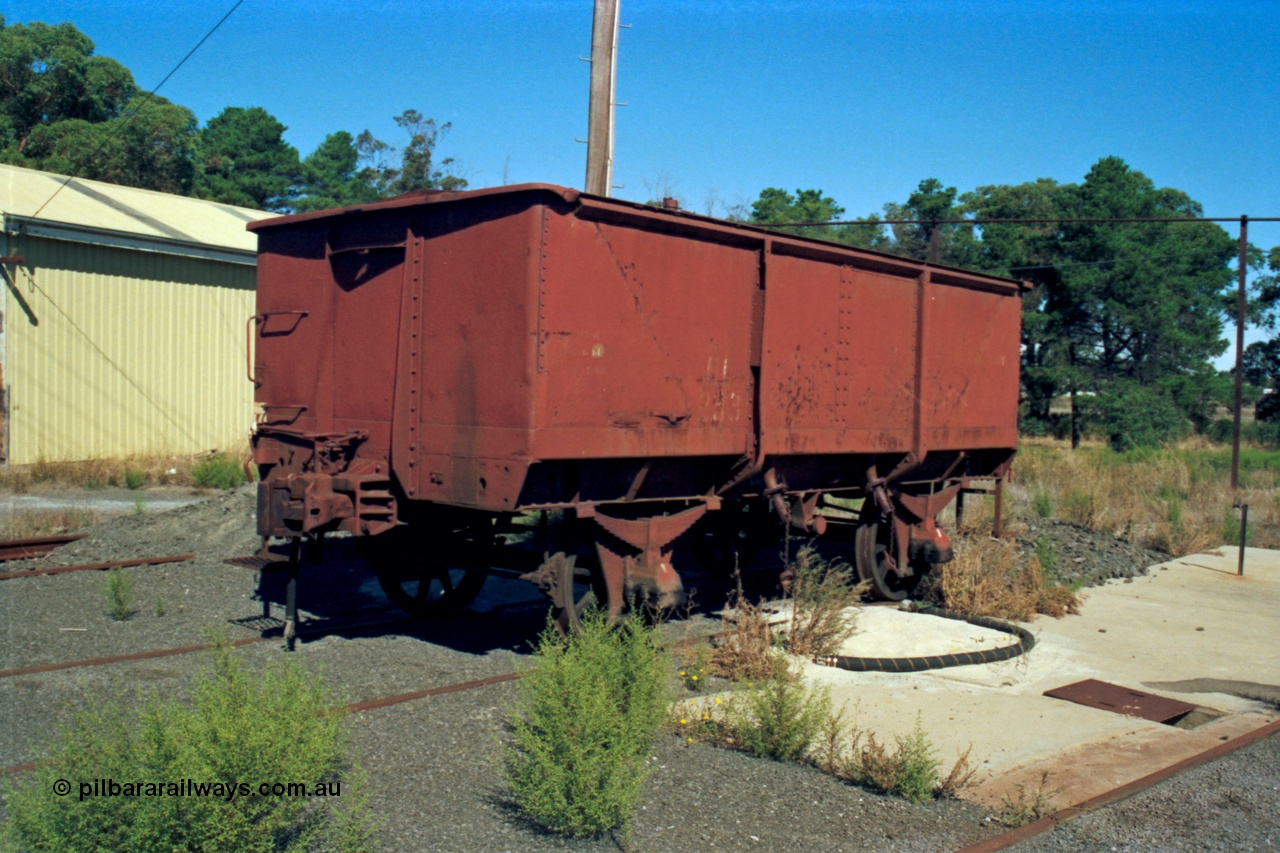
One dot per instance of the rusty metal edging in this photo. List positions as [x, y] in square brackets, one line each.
[157, 653]
[1115, 795]
[38, 546]
[97, 567]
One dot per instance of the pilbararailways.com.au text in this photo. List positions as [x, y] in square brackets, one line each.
[190, 788]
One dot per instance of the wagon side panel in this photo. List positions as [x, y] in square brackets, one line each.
[464, 407]
[972, 376]
[644, 343]
[838, 372]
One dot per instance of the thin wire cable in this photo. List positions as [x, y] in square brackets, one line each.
[994, 221]
[1103, 263]
[129, 117]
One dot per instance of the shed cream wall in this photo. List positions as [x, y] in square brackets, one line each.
[113, 352]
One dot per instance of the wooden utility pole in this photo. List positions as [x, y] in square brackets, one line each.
[604, 49]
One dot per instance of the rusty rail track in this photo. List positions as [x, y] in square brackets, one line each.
[97, 567]
[1115, 795]
[351, 708]
[304, 633]
[39, 546]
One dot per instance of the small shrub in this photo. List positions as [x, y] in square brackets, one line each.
[1047, 554]
[118, 588]
[1136, 416]
[218, 471]
[1042, 503]
[1027, 807]
[917, 771]
[693, 672]
[1083, 507]
[779, 717]
[240, 730]
[823, 597]
[962, 775]
[134, 478]
[160, 611]
[582, 729]
[910, 771]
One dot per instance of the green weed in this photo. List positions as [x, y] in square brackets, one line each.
[910, 771]
[1048, 556]
[134, 478]
[218, 471]
[118, 588]
[1083, 508]
[585, 721]
[693, 672]
[1027, 806]
[240, 730]
[779, 717]
[1042, 503]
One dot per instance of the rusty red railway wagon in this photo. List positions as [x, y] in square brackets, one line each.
[537, 380]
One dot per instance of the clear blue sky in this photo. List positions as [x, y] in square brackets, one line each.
[726, 97]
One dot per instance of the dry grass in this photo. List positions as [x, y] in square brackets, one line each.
[130, 472]
[1177, 500]
[989, 577]
[824, 599]
[30, 523]
[747, 649]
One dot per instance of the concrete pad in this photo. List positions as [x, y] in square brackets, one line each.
[1191, 622]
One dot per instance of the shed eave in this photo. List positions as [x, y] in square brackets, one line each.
[15, 224]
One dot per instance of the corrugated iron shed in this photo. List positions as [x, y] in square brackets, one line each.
[126, 217]
[122, 327]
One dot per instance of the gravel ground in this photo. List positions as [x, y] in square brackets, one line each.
[433, 763]
[1232, 803]
[1086, 557]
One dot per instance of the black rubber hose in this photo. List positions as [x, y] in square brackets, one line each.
[1025, 643]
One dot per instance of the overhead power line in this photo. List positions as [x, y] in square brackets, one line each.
[1045, 220]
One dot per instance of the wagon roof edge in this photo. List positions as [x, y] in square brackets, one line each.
[650, 212]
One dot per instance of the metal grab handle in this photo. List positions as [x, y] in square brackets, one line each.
[248, 338]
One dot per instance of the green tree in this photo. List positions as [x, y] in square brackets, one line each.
[151, 145]
[245, 161]
[956, 244]
[390, 172]
[417, 172]
[48, 74]
[1143, 302]
[329, 176]
[776, 207]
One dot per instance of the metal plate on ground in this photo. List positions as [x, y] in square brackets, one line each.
[258, 564]
[1122, 700]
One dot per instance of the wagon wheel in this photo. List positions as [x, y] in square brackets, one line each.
[571, 594]
[874, 557]
[423, 586]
